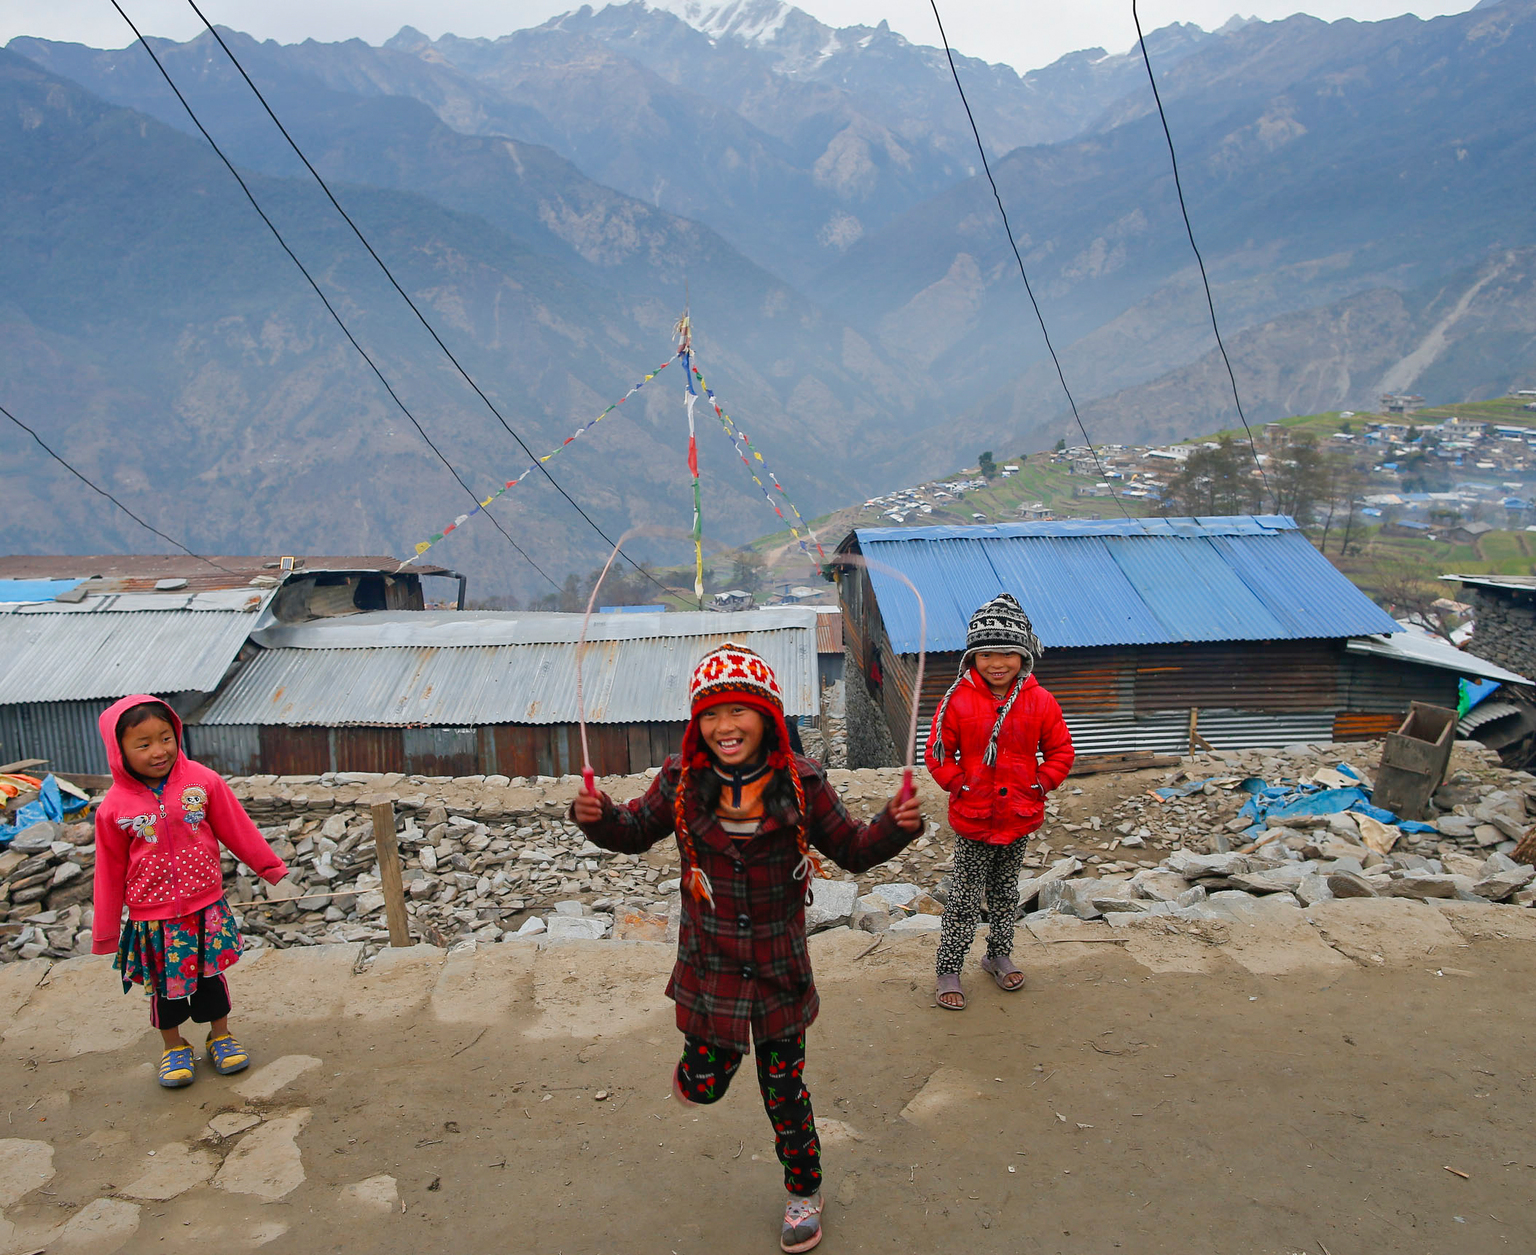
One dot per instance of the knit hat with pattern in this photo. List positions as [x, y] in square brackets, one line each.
[735, 673]
[1002, 627]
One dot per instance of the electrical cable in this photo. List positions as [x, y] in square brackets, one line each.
[331, 309]
[388, 274]
[170, 540]
[1018, 257]
[1190, 230]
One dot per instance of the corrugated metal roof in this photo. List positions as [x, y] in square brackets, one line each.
[829, 631]
[138, 572]
[64, 656]
[1118, 582]
[423, 668]
[1517, 583]
[1430, 652]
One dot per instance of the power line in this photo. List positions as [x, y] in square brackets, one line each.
[1184, 209]
[1018, 257]
[170, 540]
[388, 274]
[331, 309]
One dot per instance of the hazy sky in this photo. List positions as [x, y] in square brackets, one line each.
[1023, 33]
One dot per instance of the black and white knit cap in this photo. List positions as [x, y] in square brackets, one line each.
[1002, 627]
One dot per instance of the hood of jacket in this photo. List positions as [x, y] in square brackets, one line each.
[107, 724]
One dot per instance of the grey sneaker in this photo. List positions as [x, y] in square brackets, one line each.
[802, 1223]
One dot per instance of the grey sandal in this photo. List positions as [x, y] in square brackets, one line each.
[950, 984]
[1000, 970]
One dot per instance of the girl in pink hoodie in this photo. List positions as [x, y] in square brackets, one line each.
[158, 832]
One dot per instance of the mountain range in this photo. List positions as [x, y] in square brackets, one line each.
[554, 197]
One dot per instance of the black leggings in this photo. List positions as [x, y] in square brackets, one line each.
[705, 1073]
[209, 1002]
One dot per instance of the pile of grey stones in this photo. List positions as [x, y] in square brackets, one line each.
[487, 859]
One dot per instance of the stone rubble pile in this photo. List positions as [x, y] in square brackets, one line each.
[487, 858]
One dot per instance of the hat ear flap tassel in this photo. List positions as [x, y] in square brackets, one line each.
[696, 882]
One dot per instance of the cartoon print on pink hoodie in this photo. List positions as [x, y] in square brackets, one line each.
[161, 854]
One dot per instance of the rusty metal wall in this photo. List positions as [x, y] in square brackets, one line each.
[443, 752]
[64, 733]
[295, 751]
[231, 751]
[368, 749]
[1370, 683]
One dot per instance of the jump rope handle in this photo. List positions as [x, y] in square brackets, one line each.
[589, 780]
[904, 794]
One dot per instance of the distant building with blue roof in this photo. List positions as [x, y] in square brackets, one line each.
[1236, 628]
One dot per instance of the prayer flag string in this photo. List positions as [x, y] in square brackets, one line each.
[748, 456]
[423, 546]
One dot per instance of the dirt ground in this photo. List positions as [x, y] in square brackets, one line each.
[1298, 1082]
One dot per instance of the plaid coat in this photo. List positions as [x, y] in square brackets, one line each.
[742, 968]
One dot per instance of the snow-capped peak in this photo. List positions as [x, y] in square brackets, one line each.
[750, 21]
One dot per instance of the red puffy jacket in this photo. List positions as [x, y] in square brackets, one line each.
[1003, 802]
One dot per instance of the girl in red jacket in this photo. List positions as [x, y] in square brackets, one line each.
[158, 832]
[998, 745]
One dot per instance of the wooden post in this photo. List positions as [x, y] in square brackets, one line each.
[393, 887]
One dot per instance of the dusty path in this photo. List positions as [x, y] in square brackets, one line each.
[1287, 1085]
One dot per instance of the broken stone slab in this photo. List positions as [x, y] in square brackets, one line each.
[1502, 886]
[1030, 886]
[24, 1166]
[173, 1170]
[578, 927]
[1158, 885]
[638, 925]
[897, 894]
[1313, 888]
[1421, 885]
[229, 1124]
[1262, 883]
[1343, 883]
[268, 1079]
[379, 1195]
[1455, 826]
[916, 924]
[266, 1163]
[831, 903]
[1195, 866]
[36, 838]
[103, 1224]
[871, 914]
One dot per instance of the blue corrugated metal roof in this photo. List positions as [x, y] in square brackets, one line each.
[1120, 582]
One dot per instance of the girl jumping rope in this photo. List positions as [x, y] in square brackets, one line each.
[998, 745]
[158, 832]
[746, 811]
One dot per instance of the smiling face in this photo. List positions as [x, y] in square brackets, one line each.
[999, 670]
[734, 733]
[149, 749]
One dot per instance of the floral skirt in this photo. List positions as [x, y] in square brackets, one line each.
[167, 956]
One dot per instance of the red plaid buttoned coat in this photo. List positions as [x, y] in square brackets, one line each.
[743, 970]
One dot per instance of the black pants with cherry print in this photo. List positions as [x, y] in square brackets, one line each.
[704, 1074]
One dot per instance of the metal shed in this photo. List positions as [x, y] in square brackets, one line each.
[482, 692]
[1159, 633]
[79, 631]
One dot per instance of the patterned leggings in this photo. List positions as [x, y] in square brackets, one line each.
[705, 1073]
[980, 866]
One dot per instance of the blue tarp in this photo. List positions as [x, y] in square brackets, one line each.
[51, 802]
[1271, 805]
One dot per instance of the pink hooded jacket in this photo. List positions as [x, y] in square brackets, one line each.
[161, 854]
